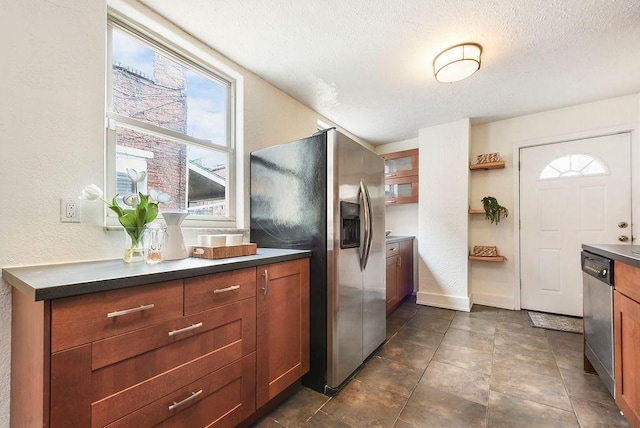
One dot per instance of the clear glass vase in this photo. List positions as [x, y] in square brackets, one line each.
[133, 246]
[154, 241]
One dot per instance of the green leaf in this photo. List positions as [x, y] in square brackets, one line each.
[152, 212]
[129, 219]
[141, 215]
[115, 207]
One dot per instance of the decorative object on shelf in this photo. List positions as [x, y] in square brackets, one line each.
[488, 158]
[175, 248]
[143, 210]
[485, 251]
[493, 210]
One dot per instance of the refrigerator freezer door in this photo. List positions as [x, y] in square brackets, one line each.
[374, 276]
[356, 316]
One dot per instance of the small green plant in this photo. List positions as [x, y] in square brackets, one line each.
[493, 210]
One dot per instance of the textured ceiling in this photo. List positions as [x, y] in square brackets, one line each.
[367, 65]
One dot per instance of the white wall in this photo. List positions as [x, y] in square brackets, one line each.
[494, 283]
[52, 136]
[442, 216]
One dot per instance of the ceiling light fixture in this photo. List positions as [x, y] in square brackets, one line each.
[457, 63]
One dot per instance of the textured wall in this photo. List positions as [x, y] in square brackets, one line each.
[442, 215]
[493, 283]
[52, 135]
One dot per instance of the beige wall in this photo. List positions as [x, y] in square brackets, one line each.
[52, 135]
[494, 283]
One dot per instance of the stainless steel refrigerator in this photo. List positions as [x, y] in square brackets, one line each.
[325, 193]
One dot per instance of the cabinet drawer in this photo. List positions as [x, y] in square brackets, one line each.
[392, 249]
[82, 319]
[151, 373]
[223, 398]
[627, 280]
[210, 291]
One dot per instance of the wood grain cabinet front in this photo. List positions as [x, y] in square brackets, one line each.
[283, 327]
[399, 272]
[626, 336]
[127, 372]
[180, 353]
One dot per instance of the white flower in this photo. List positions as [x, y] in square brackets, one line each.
[92, 192]
[135, 176]
[159, 196]
[131, 199]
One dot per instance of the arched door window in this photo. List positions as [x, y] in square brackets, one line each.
[574, 165]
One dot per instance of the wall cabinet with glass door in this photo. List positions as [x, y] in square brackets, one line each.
[401, 177]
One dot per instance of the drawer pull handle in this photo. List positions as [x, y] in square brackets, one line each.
[393, 249]
[391, 175]
[224, 290]
[186, 329]
[130, 311]
[266, 281]
[185, 401]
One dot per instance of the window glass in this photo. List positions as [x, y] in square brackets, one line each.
[170, 118]
[574, 165]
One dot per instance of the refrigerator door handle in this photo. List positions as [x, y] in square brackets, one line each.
[368, 225]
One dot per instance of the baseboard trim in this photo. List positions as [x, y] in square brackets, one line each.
[442, 301]
[494, 300]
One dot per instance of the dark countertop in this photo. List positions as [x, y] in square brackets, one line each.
[621, 253]
[393, 239]
[63, 280]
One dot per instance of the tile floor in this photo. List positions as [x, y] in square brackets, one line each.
[442, 368]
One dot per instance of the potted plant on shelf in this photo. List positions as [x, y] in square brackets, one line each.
[493, 210]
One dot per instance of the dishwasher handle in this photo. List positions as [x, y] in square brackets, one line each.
[598, 267]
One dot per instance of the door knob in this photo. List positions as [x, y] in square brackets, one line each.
[623, 238]
[623, 224]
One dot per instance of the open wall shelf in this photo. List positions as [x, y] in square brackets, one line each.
[488, 259]
[481, 211]
[487, 165]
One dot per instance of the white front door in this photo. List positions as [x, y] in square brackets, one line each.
[570, 193]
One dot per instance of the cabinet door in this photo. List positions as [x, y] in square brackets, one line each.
[402, 190]
[393, 273]
[401, 164]
[282, 327]
[401, 177]
[626, 326]
[406, 268]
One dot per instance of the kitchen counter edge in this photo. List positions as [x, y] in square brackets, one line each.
[47, 282]
[621, 253]
[393, 239]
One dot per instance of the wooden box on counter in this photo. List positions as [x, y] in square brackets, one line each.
[223, 252]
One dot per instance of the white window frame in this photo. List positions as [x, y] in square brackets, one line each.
[562, 175]
[114, 120]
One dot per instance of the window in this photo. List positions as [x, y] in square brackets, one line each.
[171, 116]
[574, 165]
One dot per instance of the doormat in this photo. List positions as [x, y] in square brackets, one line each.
[555, 322]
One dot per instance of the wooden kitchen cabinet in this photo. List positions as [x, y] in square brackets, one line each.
[401, 177]
[399, 272]
[283, 327]
[626, 337]
[177, 353]
[393, 279]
